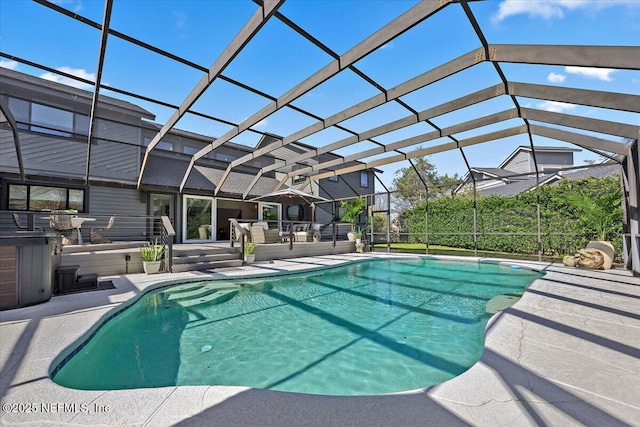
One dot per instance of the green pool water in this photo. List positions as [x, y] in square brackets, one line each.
[372, 327]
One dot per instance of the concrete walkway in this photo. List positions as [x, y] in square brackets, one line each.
[568, 353]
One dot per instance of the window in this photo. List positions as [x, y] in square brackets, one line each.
[364, 179]
[81, 124]
[224, 157]
[333, 178]
[53, 120]
[162, 145]
[46, 119]
[44, 198]
[47, 198]
[19, 109]
[299, 178]
[18, 198]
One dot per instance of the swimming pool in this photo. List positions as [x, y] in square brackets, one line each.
[371, 327]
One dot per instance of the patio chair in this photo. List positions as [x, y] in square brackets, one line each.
[96, 237]
[16, 221]
[307, 232]
[261, 234]
[62, 224]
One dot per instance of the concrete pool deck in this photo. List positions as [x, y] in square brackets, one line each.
[568, 353]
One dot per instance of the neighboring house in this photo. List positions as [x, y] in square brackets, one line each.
[53, 124]
[517, 173]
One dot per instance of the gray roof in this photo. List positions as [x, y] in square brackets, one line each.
[593, 172]
[518, 187]
[168, 171]
[548, 148]
[499, 172]
[81, 94]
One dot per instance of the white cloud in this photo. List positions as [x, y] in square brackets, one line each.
[549, 9]
[74, 5]
[387, 46]
[261, 123]
[12, 65]
[555, 107]
[556, 78]
[78, 72]
[595, 73]
[181, 20]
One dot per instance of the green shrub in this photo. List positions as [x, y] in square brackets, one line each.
[564, 225]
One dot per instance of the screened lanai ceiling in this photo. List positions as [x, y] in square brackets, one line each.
[377, 83]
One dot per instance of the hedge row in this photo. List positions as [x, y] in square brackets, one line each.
[450, 219]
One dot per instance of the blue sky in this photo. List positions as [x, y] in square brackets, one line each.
[277, 59]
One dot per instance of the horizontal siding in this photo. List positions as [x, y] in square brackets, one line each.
[125, 204]
[47, 155]
[554, 159]
[520, 163]
[340, 190]
[43, 155]
[111, 160]
[112, 200]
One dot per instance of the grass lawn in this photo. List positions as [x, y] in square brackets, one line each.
[446, 250]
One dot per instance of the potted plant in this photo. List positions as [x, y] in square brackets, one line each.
[360, 232]
[352, 210]
[249, 256]
[151, 257]
[600, 214]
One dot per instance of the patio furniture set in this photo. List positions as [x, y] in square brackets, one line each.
[259, 232]
[70, 227]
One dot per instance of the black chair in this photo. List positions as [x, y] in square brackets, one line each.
[16, 221]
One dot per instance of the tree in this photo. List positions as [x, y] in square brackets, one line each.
[410, 190]
[448, 183]
[600, 214]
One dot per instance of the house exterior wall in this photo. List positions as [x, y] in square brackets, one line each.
[554, 159]
[520, 163]
[57, 154]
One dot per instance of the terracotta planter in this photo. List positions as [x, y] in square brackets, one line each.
[151, 267]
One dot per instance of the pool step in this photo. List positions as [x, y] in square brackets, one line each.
[218, 296]
[207, 265]
[204, 258]
[501, 302]
[201, 291]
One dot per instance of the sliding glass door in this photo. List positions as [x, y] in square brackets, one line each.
[270, 212]
[198, 220]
